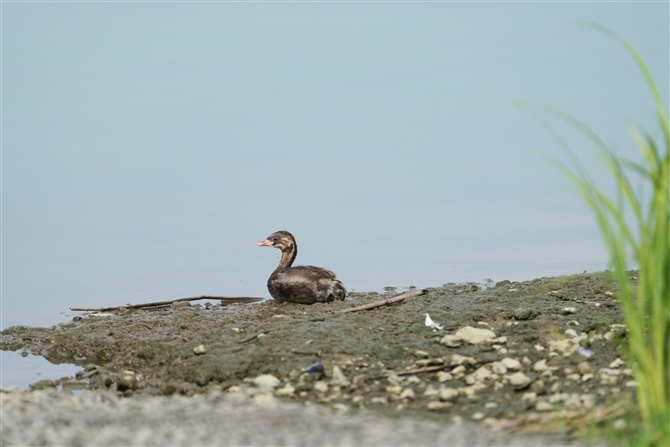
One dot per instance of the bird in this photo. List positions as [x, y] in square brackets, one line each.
[303, 284]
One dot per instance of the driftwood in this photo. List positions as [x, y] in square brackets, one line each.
[395, 299]
[229, 299]
[412, 372]
[254, 337]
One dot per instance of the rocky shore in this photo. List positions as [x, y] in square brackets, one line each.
[499, 357]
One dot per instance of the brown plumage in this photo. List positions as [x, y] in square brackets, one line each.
[303, 284]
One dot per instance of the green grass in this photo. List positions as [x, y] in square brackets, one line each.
[635, 225]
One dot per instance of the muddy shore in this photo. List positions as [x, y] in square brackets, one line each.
[548, 354]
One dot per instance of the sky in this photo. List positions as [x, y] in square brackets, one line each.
[147, 146]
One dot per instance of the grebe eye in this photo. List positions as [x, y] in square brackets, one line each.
[274, 238]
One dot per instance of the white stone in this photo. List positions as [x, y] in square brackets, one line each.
[394, 389]
[266, 381]
[569, 310]
[511, 363]
[200, 349]
[519, 379]
[587, 377]
[617, 363]
[540, 365]
[339, 379]
[482, 374]
[460, 369]
[573, 403]
[443, 376]
[477, 416]
[448, 394]
[457, 359]
[543, 406]
[321, 387]
[407, 393]
[475, 336]
[437, 405]
[452, 341]
[530, 396]
[421, 354]
[499, 368]
[571, 333]
[286, 390]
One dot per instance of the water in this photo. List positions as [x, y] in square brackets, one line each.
[22, 371]
[147, 147]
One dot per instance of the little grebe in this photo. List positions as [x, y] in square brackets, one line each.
[303, 284]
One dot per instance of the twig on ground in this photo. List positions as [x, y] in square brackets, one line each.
[230, 299]
[255, 336]
[411, 372]
[393, 300]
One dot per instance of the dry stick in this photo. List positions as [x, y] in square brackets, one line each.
[395, 299]
[245, 299]
[412, 372]
[253, 337]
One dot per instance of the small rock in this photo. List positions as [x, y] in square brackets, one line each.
[407, 393]
[394, 389]
[357, 399]
[477, 416]
[519, 380]
[452, 341]
[491, 405]
[510, 363]
[443, 376]
[569, 310]
[286, 390]
[320, 386]
[537, 386]
[570, 333]
[540, 365]
[529, 397]
[457, 359]
[482, 374]
[584, 368]
[266, 382]
[339, 379]
[574, 377]
[448, 394]
[543, 406]
[499, 368]
[587, 377]
[588, 400]
[379, 400]
[126, 380]
[421, 354]
[522, 313]
[474, 335]
[631, 384]
[460, 369]
[436, 405]
[200, 350]
[617, 363]
[573, 403]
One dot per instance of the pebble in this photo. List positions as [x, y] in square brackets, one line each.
[511, 363]
[519, 380]
[421, 354]
[394, 389]
[617, 363]
[543, 406]
[537, 386]
[126, 380]
[287, 390]
[457, 359]
[407, 393]
[443, 376]
[571, 333]
[451, 341]
[499, 368]
[477, 416]
[540, 365]
[584, 368]
[573, 403]
[530, 397]
[482, 374]
[438, 406]
[475, 336]
[266, 381]
[522, 313]
[320, 386]
[491, 405]
[339, 379]
[587, 377]
[379, 400]
[448, 394]
[569, 310]
[200, 349]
